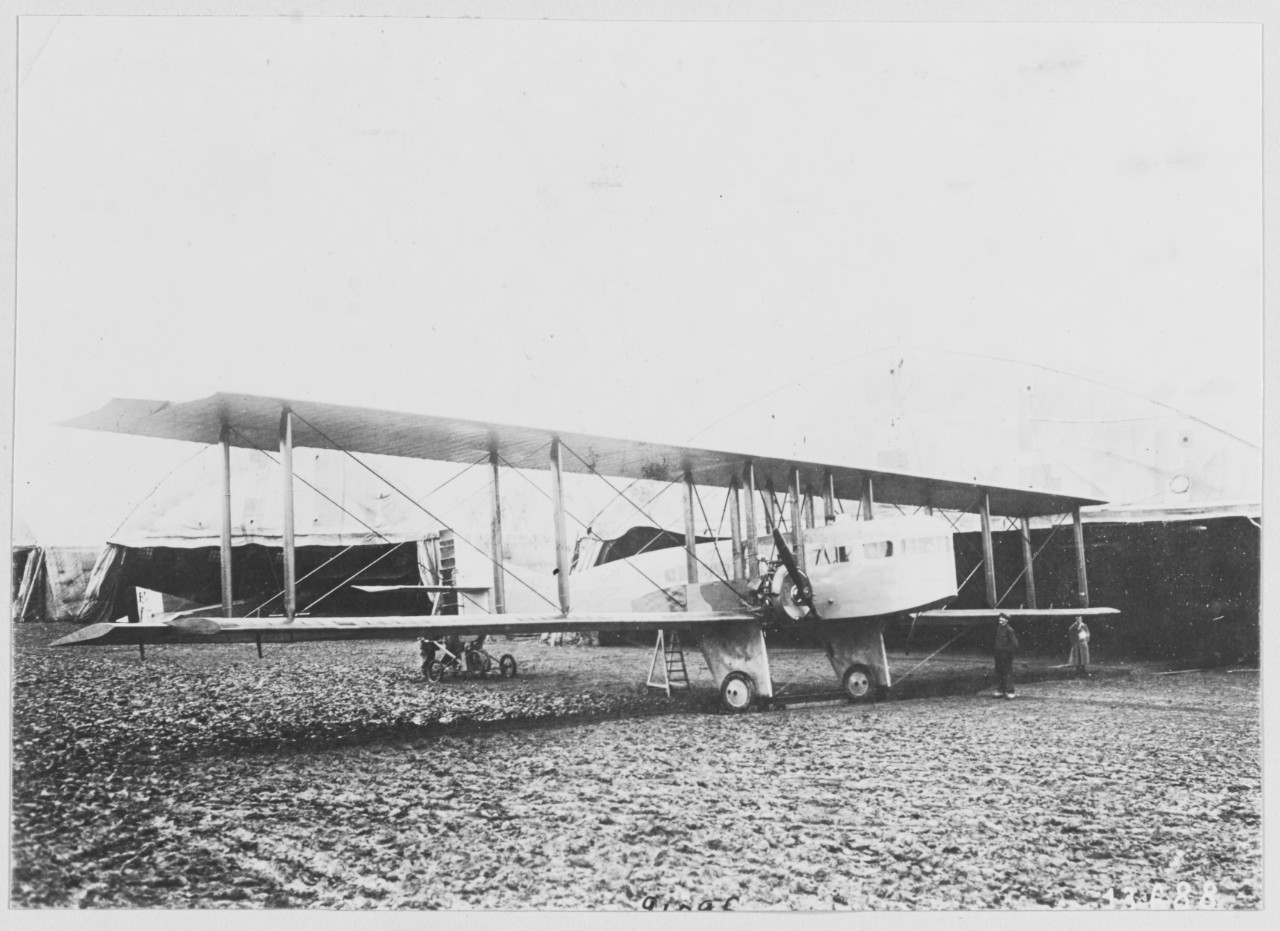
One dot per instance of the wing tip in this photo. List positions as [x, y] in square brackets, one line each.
[85, 635]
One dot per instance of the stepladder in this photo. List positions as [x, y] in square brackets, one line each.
[668, 671]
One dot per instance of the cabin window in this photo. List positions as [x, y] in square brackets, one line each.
[878, 550]
[923, 545]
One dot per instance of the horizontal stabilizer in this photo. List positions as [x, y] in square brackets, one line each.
[460, 589]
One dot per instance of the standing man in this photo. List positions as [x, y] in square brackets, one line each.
[1006, 646]
[1079, 646]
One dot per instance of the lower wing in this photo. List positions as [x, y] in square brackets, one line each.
[962, 616]
[191, 629]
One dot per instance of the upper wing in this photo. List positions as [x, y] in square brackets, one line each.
[277, 630]
[256, 422]
[962, 616]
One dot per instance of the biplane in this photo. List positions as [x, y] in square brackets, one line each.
[839, 582]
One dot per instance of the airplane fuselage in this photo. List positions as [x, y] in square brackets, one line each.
[858, 569]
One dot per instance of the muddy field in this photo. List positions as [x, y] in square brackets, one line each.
[333, 776]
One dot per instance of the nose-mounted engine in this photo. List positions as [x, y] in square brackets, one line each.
[783, 587]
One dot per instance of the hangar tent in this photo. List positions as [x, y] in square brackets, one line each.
[349, 528]
[49, 582]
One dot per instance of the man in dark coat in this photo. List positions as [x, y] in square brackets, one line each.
[1006, 646]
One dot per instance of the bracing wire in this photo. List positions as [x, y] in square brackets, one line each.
[1052, 530]
[627, 559]
[419, 506]
[354, 576]
[706, 520]
[592, 469]
[372, 531]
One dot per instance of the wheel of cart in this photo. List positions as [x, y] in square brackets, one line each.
[507, 666]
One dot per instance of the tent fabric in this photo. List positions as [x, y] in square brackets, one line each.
[53, 584]
[325, 577]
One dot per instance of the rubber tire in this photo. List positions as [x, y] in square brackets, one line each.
[434, 670]
[488, 665]
[507, 666]
[733, 698]
[858, 684]
[474, 662]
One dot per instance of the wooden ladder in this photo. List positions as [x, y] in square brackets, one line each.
[675, 675]
[449, 603]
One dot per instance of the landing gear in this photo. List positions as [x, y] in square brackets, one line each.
[858, 685]
[737, 692]
[459, 659]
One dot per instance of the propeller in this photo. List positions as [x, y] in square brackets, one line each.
[803, 590]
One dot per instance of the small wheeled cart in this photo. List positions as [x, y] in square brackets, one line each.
[457, 658]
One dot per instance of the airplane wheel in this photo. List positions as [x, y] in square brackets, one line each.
[507, 666]
[433, 670]
[737, 692]
[858, 684]
[475, 663]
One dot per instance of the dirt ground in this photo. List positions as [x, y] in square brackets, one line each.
[334, 776]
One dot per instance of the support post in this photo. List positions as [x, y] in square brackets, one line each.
[562, 540]
[770, 501]
[797, 520]
[808, 508]
[225, 553]
[499, 573]
[753, 534]
[286, 466]
[829, 499]
[1028, 560]
[690, 530]
[988, 552]
[1082, 579]
[735, 530]
[868, 498]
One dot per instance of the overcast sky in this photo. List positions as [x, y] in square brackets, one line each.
[623, 228]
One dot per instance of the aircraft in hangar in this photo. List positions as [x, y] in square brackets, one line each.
[839, 582]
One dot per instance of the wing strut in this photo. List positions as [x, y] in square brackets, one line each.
[753, 535]
[690, 531]
[1027, 560]
[225, 551]
[1082, 579]
[499, 605]
[988, 550]
[286, 466]
[735, 529]
[562, 540]
[797, 517]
